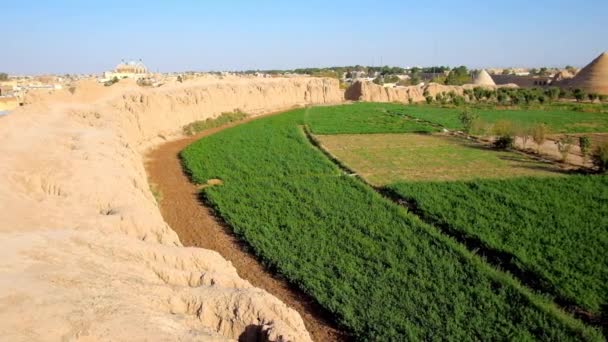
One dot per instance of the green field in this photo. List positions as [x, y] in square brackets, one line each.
[555, 227]
[362, 118]
[558, 119]
[380, 270]
[383, 159]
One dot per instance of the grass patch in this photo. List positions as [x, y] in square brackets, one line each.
[383, 273]
[555, 227]
[362, 117]
[559, 119]
[387, 158]
[158, 195]
[224, 119]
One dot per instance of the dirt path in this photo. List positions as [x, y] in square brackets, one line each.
[196, 226]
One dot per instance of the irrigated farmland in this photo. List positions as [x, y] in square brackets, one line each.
[385, 274]
[558, 119]
[364, 118]
[554, 227]
[387, 158]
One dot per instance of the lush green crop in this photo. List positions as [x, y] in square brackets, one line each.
[557, 119]
[555, 227]
[384, 274]
[362, 117]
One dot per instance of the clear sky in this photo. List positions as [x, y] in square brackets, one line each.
[62, 36]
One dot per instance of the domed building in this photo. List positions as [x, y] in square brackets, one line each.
[131, 69]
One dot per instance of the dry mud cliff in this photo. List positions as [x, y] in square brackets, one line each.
[85, 253]
[370, 92]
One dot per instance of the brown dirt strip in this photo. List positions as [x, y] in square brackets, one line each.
[196, 226]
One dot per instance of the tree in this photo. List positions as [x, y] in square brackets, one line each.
[584, 143]
[467, 119]
[458, 76]
[552, 93]
[592, 96]
[429, 99]
[539, 133]
[579, 95]
[3, 76]
[600, 157]
[506, 71]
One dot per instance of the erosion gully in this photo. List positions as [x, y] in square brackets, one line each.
[196, 226]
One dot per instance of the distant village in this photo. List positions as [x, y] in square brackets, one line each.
[13, 88]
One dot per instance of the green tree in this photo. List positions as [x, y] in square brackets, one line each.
[600, 157]
[584, 143]
[3, 76]
[579, 95]
[458, 76]
[467, 119]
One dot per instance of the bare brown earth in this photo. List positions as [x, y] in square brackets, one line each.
[196, 226]
[85, 253]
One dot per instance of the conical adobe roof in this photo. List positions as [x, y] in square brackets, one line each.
[483, 79]
[594, 77]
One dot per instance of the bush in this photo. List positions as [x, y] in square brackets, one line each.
[600, 157]
[458, 100]
[584, 143]
[113, 81]
[225, 118]
[429, 99]
[579, 95]
[504, 142]
[467, 119]
[592, 96]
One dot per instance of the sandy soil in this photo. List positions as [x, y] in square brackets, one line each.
[197, 227]
[86, 254]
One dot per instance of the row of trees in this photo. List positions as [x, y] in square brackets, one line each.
[506, 132]
[512, 96]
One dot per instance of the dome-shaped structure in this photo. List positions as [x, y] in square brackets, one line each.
[131, 67]
[483, 79]
[594, 77]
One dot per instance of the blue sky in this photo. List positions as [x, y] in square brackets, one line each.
[91, 36]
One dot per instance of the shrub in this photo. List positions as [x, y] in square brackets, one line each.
[584, 143]
[579, 95]
[410, 100]
[600, 157]
[225, 118]
[504, 142]
[592, 96]
[429, 99]
[539, 133]
[458, 100]
[553, 93]
[467, 119]
[503, 129]
[113, 81]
